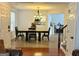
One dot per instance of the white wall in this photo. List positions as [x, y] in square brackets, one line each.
[5, 17]
[24, 19]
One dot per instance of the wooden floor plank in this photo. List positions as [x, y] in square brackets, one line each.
[42, 51]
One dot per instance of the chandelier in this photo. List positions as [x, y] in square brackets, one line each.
[38, 17]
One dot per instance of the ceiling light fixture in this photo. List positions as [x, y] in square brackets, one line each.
[38, 17]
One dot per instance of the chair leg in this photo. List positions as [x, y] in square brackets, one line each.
[48, 38]
[29, 38]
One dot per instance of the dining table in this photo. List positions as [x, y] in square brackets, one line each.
[39, 32]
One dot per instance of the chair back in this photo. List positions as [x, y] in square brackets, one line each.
[31, 28]
[49, 31]
[16, 30]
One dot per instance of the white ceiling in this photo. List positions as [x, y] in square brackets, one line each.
[40, 5]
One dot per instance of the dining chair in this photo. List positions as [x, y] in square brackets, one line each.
[18, 34]
[32, 34]
[46, 34]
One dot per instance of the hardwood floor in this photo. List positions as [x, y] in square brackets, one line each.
[43, 48]
[41, 52]
[22, 43]
[35, 51]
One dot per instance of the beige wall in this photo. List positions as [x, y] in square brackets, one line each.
[4, 18]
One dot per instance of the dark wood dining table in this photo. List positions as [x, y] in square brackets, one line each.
[39, 32]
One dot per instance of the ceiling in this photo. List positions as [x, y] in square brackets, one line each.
[40, 5]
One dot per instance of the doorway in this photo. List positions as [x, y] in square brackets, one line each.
[53, 21]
